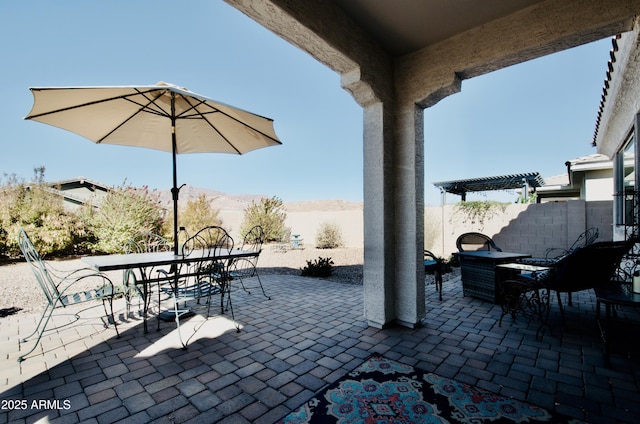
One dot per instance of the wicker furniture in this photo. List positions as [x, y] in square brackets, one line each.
[478, 272]
[475, 241]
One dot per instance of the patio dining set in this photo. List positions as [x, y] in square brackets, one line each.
[523, 285]
[154, 277]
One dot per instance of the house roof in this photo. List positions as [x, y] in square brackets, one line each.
[503, 182]
[605, 87]
[78, 180]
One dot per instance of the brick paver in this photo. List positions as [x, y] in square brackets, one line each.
[311, 333]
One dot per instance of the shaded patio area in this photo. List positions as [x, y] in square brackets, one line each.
[310, 334]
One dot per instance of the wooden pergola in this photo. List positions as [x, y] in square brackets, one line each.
[503, 182]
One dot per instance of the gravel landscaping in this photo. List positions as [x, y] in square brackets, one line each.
[19, 292]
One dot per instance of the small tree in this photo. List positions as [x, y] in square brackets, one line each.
[124, 212]
[270, 215]
[197, 214]
[329, 236]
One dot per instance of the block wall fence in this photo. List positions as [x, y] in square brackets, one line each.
[527, 228]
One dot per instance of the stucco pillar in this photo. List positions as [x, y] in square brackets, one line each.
[379, 217]
[409, 217]
[393, 215]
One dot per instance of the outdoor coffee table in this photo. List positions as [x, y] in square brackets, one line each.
[477, 269]
[617, 293]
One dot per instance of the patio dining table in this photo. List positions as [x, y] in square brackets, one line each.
[146, 263]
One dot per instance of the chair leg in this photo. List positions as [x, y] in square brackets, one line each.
[439, 284]
[230, 306]
[112, 315]
[42, 325]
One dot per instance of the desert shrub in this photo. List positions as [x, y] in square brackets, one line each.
[196, 215]
[40, 212]
[124, 212]
[270, 215]
[329, 236]
[321, 267]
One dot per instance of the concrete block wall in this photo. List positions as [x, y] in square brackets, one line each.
[520, 228]
[600, 215]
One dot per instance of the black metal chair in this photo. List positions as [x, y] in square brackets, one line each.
[63, 289]
[475, 241]
[142, 243]
[554, 254]
[246, 267]
[203, 277]
[433, 264]
[585, 268]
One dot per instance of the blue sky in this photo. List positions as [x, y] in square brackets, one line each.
[529, 117]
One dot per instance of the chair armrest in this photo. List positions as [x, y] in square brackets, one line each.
[555, 252]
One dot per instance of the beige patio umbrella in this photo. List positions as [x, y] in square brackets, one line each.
[162, 117]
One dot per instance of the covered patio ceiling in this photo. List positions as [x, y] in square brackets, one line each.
[503, 182]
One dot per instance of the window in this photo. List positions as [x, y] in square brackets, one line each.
[625, 193]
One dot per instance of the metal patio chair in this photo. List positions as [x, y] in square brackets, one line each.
[59, 288]
[553, 255]
[204, 276]
[246, 267]
[433, 264]
[142, 243]
[584, 268]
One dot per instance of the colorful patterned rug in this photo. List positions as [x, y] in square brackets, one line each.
[382, 391]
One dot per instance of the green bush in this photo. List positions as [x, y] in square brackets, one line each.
[40, 212]
[321, 267]
[124, 212]
[196, 215]
[329, 236]
[270, 215]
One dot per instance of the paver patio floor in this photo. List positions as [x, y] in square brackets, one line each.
[310, 334]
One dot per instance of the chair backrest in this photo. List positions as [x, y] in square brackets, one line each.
[147, 243]
[211, 240]
[38, 266]
[431, 261]
[475, 241]
[207, 243]
[585, 239]
[253, 240]
[588, 267]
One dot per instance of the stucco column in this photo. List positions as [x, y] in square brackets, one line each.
[393, 215]
[379, 216]
[409, 217]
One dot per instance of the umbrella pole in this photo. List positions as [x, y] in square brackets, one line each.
[175, 190]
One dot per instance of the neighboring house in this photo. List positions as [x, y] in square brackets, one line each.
[79, 191]
[588, 178]
[617, 127]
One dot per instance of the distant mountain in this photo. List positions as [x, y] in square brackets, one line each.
[239, 202]
[219, 200]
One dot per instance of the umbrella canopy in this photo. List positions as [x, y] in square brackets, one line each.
[162, 117]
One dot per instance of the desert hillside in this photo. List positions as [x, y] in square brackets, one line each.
[304, 218]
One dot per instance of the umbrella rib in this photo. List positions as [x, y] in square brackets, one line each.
[213, 127]
[143, 108]
[64, 109]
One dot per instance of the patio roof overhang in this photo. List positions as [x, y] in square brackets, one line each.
[503, 182]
